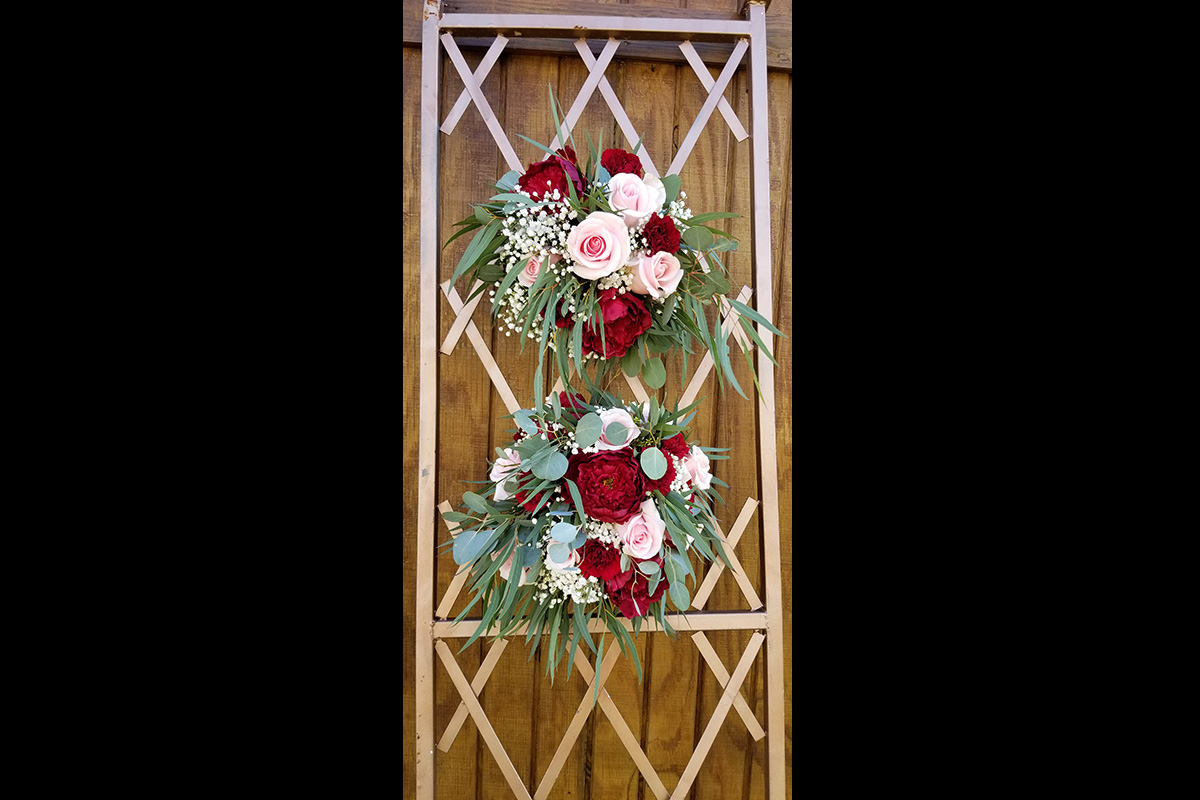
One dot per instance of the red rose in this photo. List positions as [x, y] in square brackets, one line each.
[562, 315]
[661, 235]
[611, 484]
[625, 319]
[617, 161]
[676, 446]
[633, 599]
[543, 177]
[601, 561]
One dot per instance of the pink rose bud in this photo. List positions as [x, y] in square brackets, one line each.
[634, 198]
[529, 275]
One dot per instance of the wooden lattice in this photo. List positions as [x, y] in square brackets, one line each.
[765, 618]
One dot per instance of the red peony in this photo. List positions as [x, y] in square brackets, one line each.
[661, 235]
[611, 484]
[543, 177]
[601, 561]
[617, 161]
[676, 446]
[625, 319]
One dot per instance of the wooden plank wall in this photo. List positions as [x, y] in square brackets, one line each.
[670, 709]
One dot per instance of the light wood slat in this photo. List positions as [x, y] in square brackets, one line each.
[739, 703]
[691, 621]
[760, 186]
[635, 384]
[739, 335]
[485, 355]
[626, 735]
[586, 91]
[572, 733]
[481, 103]
[610, 97]
[477, 683]
[693, 58]
[461, 320]
[718, 717]
[481, 72]
[706, 363]
[481, 722]
[714, 572]
[558, 386]
[426, 767]
[460, 577]
[714, 94]
[700, 30]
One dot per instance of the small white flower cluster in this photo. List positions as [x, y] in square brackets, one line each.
[539, 230]
[559, 585]
[606, 532]
[681, 476]
[679, 211]
[621, 280]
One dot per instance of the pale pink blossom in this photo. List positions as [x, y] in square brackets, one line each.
[503, 469]
[642, 534]
[609, 416]
[599, 245]
[657, 275]
[634, 198]
[529, 275]
[697, 464]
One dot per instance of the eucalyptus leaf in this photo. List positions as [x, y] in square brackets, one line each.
[654, 373]
[647, 567]
[564, 532]
[476, 503]
[697, 237]
[616, 432]
[654, 463]
[671, 183]
[559, 552]
[587, 430]
[552, 467]
[679, 595]
[524, 418]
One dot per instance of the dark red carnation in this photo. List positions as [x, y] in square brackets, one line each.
[562, 315]
[676, 446]
[529, 503]
[661, 235]
[625, 319]
[574, 401]
[543, 177]
[617, 161]
[632, 598]
[663, 484]
[611, 484]
[600, 560]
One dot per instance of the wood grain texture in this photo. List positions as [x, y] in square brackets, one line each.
[528, 715]
[779, 34]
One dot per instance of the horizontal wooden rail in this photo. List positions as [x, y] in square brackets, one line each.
[692, 621]
[714, 54]
[573, 27]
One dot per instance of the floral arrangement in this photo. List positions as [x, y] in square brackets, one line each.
[592, 512]
[602, 264]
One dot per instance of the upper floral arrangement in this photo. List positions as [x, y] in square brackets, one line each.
[602, 264]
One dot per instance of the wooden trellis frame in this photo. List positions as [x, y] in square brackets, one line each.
[765, 618]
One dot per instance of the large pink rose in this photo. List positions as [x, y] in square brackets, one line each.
[697, 464]
[657, 275]
[642, 534]
[599, 245]
[634, 198]
[533, 266]
[609, 416]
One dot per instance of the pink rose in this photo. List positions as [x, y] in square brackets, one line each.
[572, 561]
[532, 267]
[697, 463]
[634, 198]
[599, 245]
[609, 416]
[642, 534]
[657, 275]
[506, 569]
[503, 469]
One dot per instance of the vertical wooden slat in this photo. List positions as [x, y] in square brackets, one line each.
[426, 460]
[763, 284]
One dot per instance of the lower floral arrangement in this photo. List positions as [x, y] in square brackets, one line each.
[593, 513]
